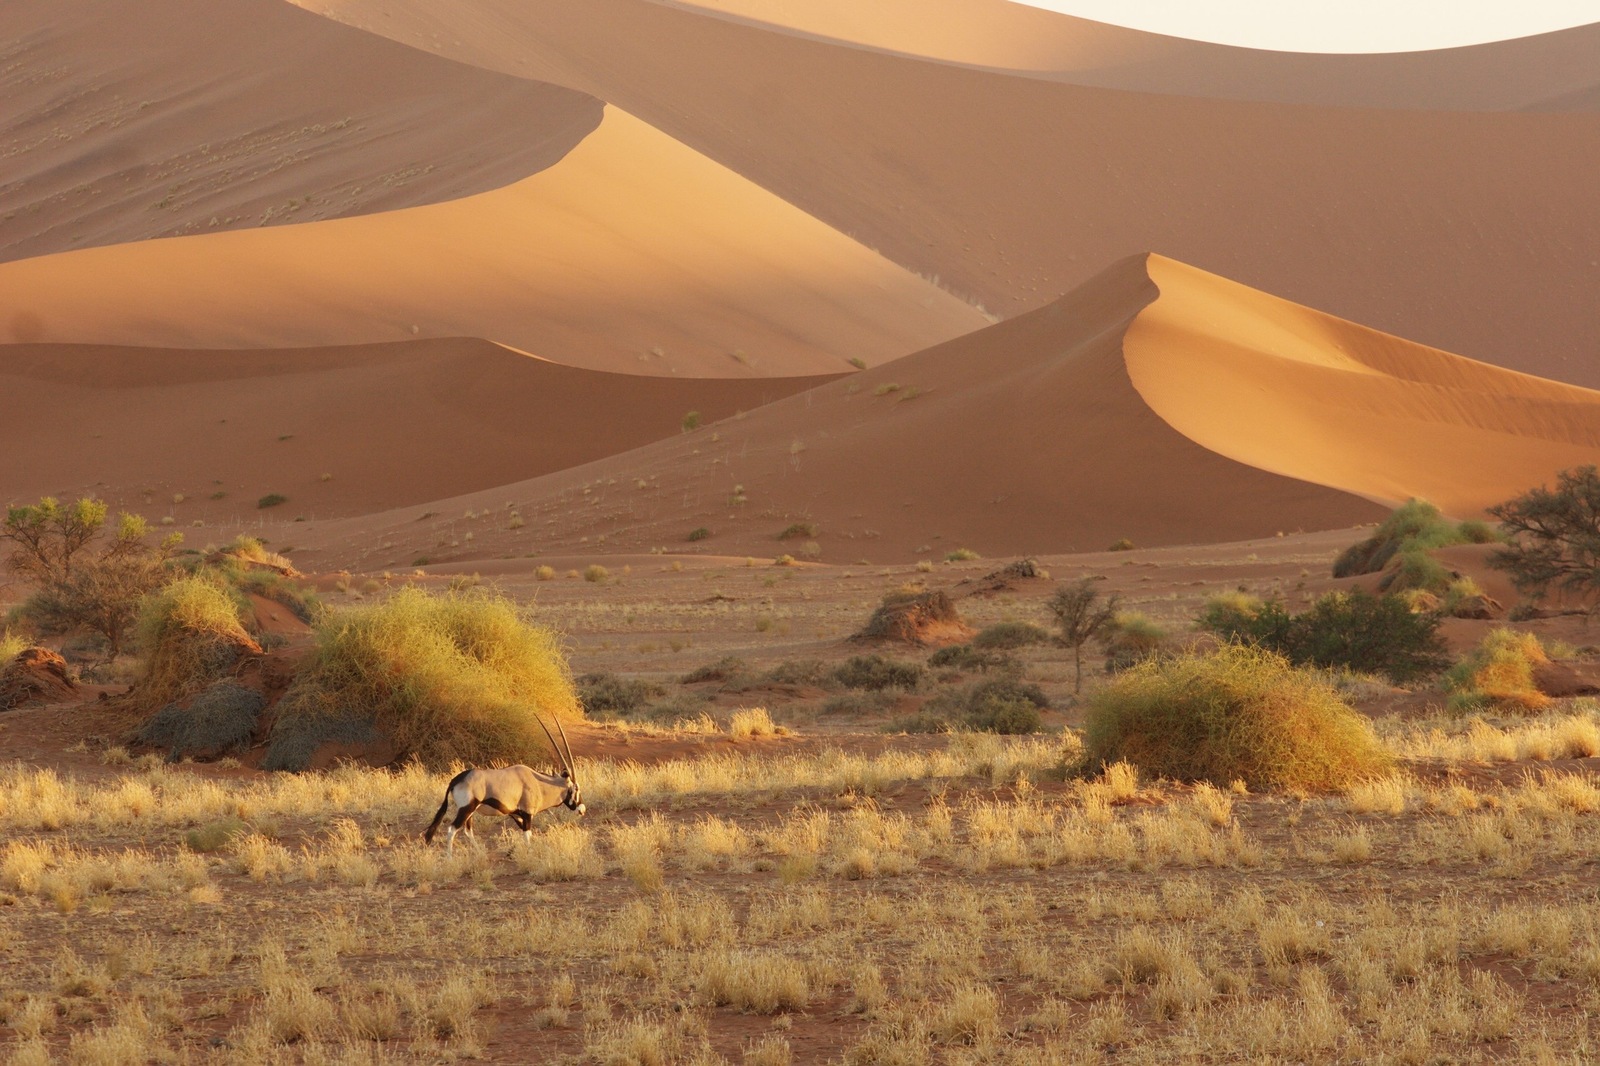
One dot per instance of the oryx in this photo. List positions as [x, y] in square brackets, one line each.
[518, 792]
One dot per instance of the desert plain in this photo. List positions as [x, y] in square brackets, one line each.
[699, 333]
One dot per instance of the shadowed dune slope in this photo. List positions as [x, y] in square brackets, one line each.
[1475, 232]
[633, 254]
[1158, 403]
[127, 119]
[1546, 71]
[393, 424]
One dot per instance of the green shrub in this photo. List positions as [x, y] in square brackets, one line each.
[271, 499]
[875, 672]
[961, 555]
[1553, 536]
[799, 529]
[193, 635]
[1132, 639]
[1353, 630]
[1412, 529]
[700, 533]
[691, 421]
[1010, 635]
[813, 672]
[605, 693]
[1007, 717]
[453, 677]
[995, 705]
[968, 658]
[727, 668]
[1498, 674]
[1239, 713]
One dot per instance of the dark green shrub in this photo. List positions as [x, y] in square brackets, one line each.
[860, 703]
[799, 529]
[877, 672]
[728, 668]
[1010, 635]
[1354, 630]
[966, 657]
[1011, 717]
[1239, 713]
[1411, 531]
[1133, 638]
[271, 499]
[700, 533]
[1553, 536]
[222, 718]
[801, 672]
[605, 693]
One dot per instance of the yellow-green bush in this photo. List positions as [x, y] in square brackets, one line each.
[1499, 673]
[192, 635]
[458, 676]
[1239, 713]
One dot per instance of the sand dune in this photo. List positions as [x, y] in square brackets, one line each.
[1157, 403]
[1475, 232]
[632, 254]
[1549, 71]
[127, 119]
[392, 424]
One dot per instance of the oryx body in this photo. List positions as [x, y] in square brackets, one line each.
[518, 792]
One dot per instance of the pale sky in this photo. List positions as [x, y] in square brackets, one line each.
[1338, 25]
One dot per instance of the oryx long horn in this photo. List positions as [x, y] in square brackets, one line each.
[572, 764]
[554, 747]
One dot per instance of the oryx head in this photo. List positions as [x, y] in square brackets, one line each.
[572, 799]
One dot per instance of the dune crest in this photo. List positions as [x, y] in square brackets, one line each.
[1470, 231]
[1158, 403]
[139, 426]
[633, 254]
[122, 120]
[1548, 71]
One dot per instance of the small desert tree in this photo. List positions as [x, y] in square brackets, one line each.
[87, 581]
[1553, 535]
[1082, 616]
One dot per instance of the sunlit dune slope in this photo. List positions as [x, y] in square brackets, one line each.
[1157, 403]
[1547, 70]
[632, 254]
[127, 119]
[1474, 232]
[392, 424]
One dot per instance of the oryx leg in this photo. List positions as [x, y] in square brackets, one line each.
[462, 821]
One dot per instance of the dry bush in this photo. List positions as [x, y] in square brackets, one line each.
[1239, 713]
[220, 719]
[193, 636]
[916, 618]
[752, 722]
[1499, 673]
[462, 676]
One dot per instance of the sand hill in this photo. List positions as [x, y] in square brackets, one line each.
[391, 424]
[1158, 403]
[1474, 232]
[127, 119]
[632, 254]
[1548, 71]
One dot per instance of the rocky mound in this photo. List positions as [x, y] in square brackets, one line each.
[36, 675]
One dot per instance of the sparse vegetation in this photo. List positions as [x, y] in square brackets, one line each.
[1131, 639]
[691, 421]
[961, 555]
[1123, 545]
[1238, 714]
[1400, 545]
[457, 676]
[798, 530]
[1008, 636]
[606, 694]
[875, 672]
[271, 499]
[699, 533]
[596, 573]
[1082, 616]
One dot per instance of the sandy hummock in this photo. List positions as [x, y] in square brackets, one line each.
[633, 254]
[122, 120]
[204, 435]
[1159, 403]
[1475, 232]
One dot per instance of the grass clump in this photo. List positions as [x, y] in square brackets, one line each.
[12, 645]
[961, 555]
[998, 705]
[1010, 635]
[799, 530]
[966, 657]
[459, 676]
[876, 672]
[596, 573]
[727, 668]
[1240, 713]
[193, 635]
[698, 533]
[1498, 674]
[220, 719]
[271, 499]
[605, 693]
